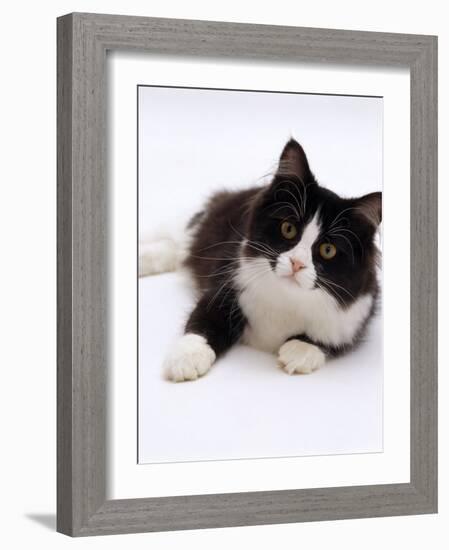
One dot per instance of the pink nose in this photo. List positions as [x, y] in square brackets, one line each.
[296, 265]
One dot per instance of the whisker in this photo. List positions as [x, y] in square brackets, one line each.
[258, 271]
[266, 245]
[332, 283]
[221, 259]
[253, 243]
[330, 291]
[346, 230]
[285, 204]
[300, 206]
[254, 276]
[341, 214]
[232, 266]
[347, 240]
[260, 249]
[220, 243]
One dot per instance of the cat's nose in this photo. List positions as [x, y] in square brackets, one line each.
[297, 265]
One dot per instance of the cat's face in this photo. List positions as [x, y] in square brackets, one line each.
[312, 238]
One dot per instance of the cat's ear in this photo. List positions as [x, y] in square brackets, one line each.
[370, 208]
[293, 161]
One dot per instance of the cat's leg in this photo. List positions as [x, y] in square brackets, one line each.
[299, 355]
[213, 327]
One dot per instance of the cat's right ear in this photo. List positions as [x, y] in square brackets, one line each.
[293, 161]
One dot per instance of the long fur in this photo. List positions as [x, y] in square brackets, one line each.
[279, 293]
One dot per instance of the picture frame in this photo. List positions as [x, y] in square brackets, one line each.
[82, 505]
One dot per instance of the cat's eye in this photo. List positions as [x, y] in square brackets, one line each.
[288, 230]
[327, 250]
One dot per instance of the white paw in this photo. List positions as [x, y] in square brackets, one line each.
[300, 357]
[160, 256]
[191, 358]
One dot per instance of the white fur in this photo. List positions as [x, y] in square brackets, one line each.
[303, 252]
[158, 257]
[279, 304]
[278, 307]
[163, 252]
[190, 358]
[300, 357]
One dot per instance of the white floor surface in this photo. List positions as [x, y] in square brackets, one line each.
[246, 407]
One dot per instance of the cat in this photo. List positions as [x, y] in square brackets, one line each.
[289, 268]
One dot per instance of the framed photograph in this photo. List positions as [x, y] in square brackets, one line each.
[247, 274]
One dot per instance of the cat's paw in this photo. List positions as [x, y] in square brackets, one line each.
[191, 358]
[300, 357]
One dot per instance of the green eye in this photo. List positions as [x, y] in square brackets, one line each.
[288, 230]
[327, 251]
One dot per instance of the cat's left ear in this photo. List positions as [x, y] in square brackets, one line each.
[370, 208]
[293, 161]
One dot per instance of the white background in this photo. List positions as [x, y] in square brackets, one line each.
[194, 142]
[28, 273]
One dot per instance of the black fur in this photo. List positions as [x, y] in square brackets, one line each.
[218, 319]
[256, 215]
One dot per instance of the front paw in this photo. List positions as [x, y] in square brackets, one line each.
[300, 357]
[191, 358]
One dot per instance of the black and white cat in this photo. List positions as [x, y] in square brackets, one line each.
[289, 268]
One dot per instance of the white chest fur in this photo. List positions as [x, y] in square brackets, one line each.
[278, 309]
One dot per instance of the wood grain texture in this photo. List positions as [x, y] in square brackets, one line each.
[423, 273]
[83, 40]
[64, 277]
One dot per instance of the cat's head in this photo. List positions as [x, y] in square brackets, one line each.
[311, 237]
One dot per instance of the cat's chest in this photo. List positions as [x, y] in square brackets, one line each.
[275, 312]
[268, 324]
[271, 318]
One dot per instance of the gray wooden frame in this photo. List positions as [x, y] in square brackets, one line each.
[83, 40]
